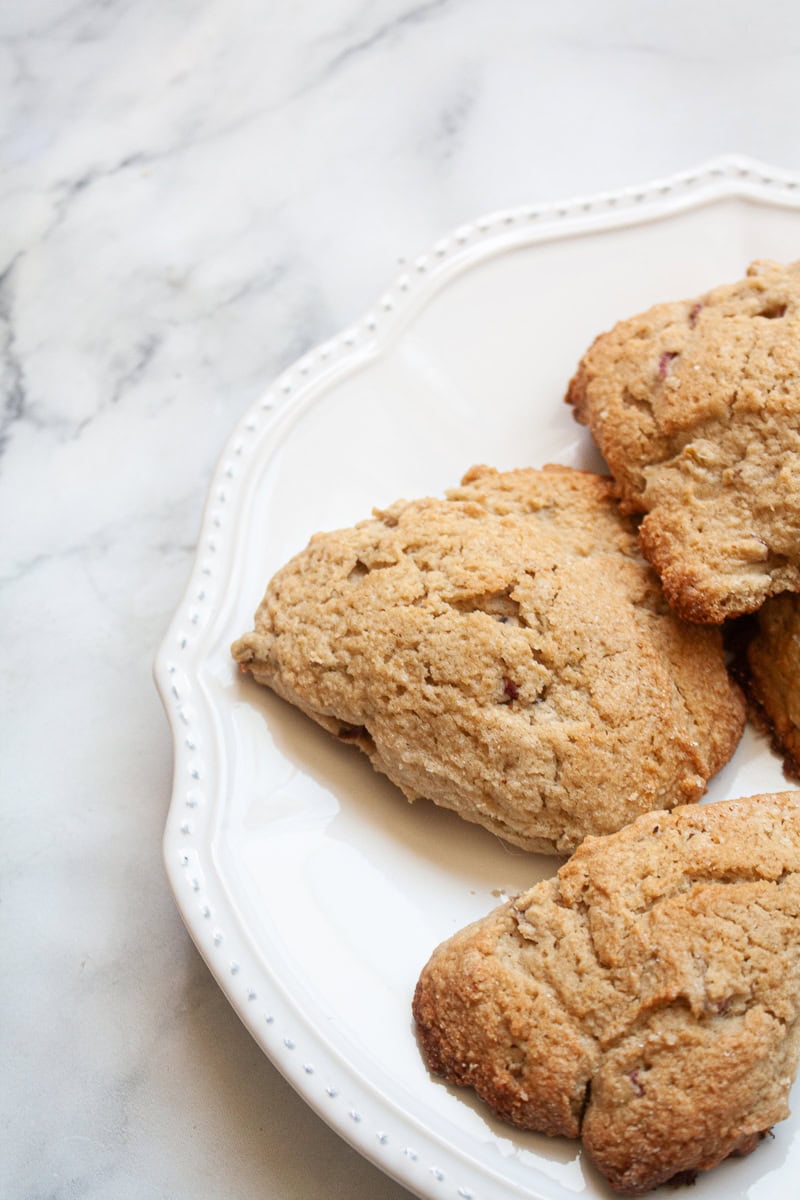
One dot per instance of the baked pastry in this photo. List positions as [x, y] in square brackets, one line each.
[773, 673]
[506, 653]
[696, 407]
[645, 999]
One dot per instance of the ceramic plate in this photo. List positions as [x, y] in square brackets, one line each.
[312, 889]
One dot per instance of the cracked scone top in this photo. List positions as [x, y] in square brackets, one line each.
[506, 653]
[645, 999]
[695, 406]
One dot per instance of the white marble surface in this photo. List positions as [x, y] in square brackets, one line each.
[194, 192]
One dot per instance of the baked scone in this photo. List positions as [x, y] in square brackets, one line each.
[504, 652]
[696, 408]
[773, 669]
[645, 999]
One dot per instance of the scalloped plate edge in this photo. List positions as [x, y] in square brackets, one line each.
[419, 1160]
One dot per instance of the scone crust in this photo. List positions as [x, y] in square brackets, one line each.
[773, 665]
[695, 406]
[504, 652]
[647, 998]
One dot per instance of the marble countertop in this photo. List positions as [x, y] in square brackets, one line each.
[194, 193]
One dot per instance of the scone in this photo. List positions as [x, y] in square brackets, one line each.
[773, 669]
[506, 653]
[696, 409]
[645, 999]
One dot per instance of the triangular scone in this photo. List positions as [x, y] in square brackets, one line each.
[504, 652]
[773, 669]
[645, 999]
[696, 407]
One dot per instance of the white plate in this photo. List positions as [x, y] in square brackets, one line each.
[313, 891]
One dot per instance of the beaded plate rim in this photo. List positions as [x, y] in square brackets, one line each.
[416, 1158]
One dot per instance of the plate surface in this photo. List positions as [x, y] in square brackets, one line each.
[312, 889]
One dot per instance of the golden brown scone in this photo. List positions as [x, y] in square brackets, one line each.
[696, 407]
[645, 999]
[773, 666]
[506, 653]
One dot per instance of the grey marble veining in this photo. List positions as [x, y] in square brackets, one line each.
[192, 194]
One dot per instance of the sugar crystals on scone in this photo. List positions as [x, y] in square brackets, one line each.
[504, 652]
[646, 999]
[696, 407]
